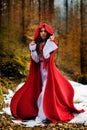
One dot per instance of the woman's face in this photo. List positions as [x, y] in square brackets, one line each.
[43, 33]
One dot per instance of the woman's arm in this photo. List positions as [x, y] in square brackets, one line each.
[33, 52]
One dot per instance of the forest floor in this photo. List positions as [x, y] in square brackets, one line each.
[6, 122]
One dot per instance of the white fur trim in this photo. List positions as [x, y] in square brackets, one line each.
[35, 56]
[32, 46]
[48, 48]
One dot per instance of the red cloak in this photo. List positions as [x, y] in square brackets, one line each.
[58, 96]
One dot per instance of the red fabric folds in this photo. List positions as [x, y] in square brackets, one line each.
[24, 102]
[58, 96]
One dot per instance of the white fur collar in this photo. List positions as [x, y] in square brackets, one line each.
[49, 47]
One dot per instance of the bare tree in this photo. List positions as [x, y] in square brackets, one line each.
[83, 44]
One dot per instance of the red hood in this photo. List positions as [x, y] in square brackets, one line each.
[47, 27]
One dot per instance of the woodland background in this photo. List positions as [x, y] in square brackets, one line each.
[18, 22]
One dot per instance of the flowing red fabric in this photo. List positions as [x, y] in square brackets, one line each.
[24, 102]
[58, 95]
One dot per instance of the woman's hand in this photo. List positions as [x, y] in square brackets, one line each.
[52, 37]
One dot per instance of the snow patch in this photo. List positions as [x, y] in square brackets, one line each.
[80, 102]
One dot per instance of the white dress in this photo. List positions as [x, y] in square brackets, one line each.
[48, 47]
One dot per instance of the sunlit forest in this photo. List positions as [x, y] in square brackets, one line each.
[18, 22]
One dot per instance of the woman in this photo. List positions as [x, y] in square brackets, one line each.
[46, 95]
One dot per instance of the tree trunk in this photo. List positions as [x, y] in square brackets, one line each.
[39, 8]
[83, 46]
[66, 5]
